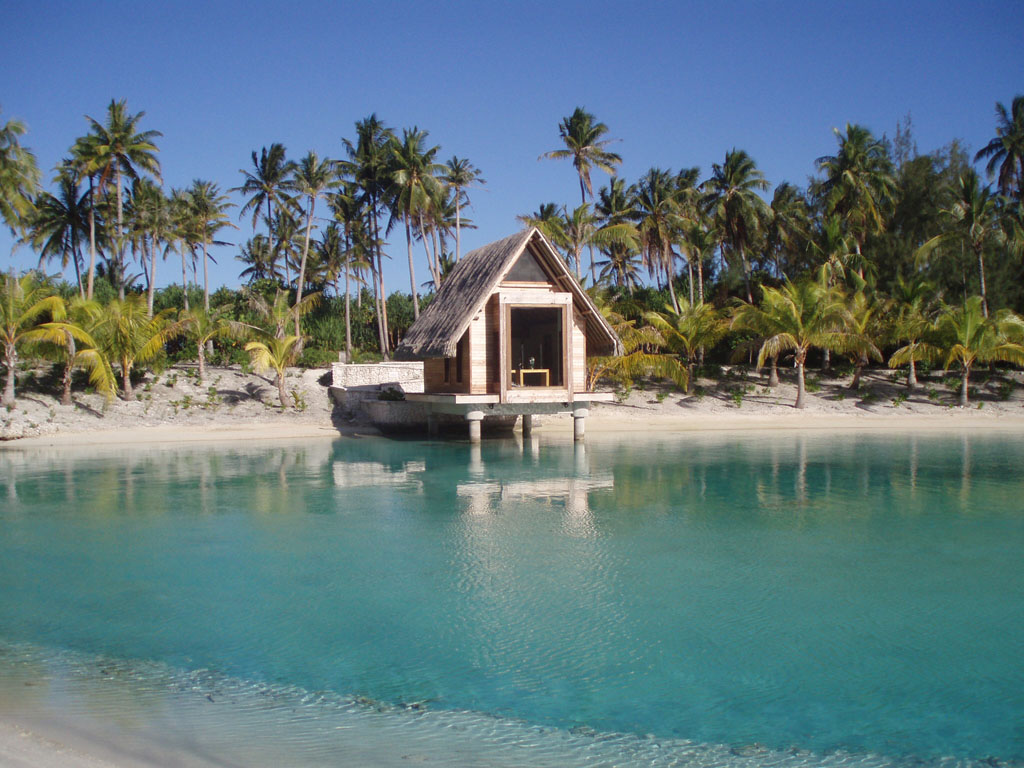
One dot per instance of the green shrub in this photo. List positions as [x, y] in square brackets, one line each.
[316, 357]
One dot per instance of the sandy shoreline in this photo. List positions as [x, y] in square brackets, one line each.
[609, 419]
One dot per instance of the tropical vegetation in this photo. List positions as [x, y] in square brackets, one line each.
[888, 253]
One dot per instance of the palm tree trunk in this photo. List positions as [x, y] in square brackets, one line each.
[773, 374]
[69, 342]
[438, 246]
[689, 274]
[432, 266]
[383, 304]
[201, 349]
[126, 378]
[120, 233]
[458, 226]
[826, 359]
[302, 265]
[981, 276]
[689, 375]
[10, 363]
[912, 375]
[348, 317]
[667, 260]
[282, 395]
[857, 370]
[184, 277]
[746, 275]
[152, 280]
[963, 386]
[92, 241]
[75, 255]
[412, 271]
[206, 280]
[800, 380]
[700, 280]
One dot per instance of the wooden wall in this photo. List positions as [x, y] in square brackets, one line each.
[579, 353]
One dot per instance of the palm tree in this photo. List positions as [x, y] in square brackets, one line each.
[912, 319]
[797, 316]
[548, 219]
[349, 212]
[864, 325]
[459, 175]
[208, 208]
[276, 314]
[59, 223]
[81, 161]
[580, 229]
[311, 178]
[268, 184]
[1006, 150]
[258, 255]
[277, 354]
[700, 242]
[641, 355]
[66, 336]
[25, 303]
[585, 145]
[19, 176]
[128, 335]
[117, 149]
[967, 336]
[974, 218]
[367, 168]
[414, 181]
[183, 232]
[659, 222]
[789, 226]
[738, 212]
[203, 327]
[686, 332]
[614, 207]
[152, 223]
[858, 184]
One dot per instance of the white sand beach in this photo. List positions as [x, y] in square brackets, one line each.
[233, 405]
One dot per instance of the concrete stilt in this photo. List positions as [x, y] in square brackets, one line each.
[474, 418]
[579, 418]
[527, 424]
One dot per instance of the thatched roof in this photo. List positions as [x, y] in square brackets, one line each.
[473, 280]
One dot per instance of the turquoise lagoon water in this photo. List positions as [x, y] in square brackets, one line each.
[713, 600]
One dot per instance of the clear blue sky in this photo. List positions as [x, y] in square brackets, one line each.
[678, 84]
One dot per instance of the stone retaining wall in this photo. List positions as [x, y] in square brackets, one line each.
[405, 376]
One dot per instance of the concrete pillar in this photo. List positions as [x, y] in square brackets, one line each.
[527, 424]
[579, 418]
[474, 418]
[433, 428]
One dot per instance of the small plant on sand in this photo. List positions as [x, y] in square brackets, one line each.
[736, 394]
[813, 384]
[899, 400]
[1004, 390]
[300, 401]
[933, 394]
[186, 402]
[171, 381]
[660, 397]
